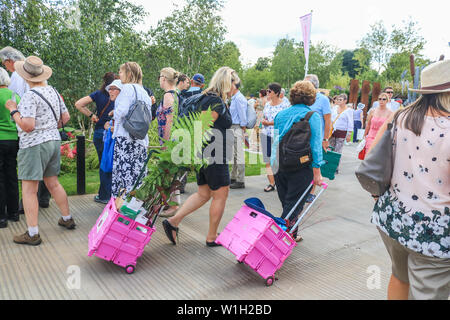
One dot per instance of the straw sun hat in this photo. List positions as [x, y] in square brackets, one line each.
[435, 78]
[33, 69]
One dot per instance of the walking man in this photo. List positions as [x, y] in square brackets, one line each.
[238, 110]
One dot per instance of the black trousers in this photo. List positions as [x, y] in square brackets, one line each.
[9, 186]
[290, 187]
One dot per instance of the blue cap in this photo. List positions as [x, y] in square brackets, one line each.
[199, 78]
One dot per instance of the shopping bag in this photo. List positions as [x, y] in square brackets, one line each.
[362, 154]
[108, 152]
[360, 134]
[361, 146]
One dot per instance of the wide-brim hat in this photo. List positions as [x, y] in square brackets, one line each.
[33, 69]
[435, 78]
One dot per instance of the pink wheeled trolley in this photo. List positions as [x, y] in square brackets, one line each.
[118, 238]
[260, 240]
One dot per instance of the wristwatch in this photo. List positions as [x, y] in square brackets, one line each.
[14, 112]
[92, 114]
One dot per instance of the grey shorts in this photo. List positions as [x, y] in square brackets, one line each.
[43, 160]
[428, 277]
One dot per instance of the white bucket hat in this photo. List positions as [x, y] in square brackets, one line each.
[116, 83]
[435, 78]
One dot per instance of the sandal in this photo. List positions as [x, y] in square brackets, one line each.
[269, 188]
[168, 228]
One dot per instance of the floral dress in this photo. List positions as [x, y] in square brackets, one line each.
[161, 116]
[415, 210]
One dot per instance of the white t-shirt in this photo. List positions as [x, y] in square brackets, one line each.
[18, 84]
[46, 128]
[345, 120]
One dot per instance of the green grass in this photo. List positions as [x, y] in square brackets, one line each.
[69, 180]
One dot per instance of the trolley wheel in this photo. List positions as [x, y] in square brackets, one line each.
[130, 269]
[270, 281]
[240, 262]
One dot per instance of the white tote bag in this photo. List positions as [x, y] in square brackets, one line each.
[361, 145]
[360, 134]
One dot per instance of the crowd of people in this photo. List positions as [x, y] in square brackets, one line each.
[412, 218]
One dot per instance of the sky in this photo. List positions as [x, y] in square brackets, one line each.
[255, 26]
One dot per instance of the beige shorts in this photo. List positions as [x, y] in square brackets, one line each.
[428, 277]
[43, 160]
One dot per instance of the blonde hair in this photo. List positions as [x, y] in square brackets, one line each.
[444, 100]
[221, 82]
[171, 75]
[133, 73]
[385, 95]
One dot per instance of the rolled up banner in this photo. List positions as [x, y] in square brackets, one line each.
[306, 22]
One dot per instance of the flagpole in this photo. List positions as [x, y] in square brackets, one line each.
[304, 46]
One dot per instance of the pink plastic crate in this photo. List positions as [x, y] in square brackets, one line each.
[258, 241]
[118, 238]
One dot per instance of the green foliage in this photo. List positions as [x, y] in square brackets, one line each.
[254, 80]
[191, 40]
[162, 168]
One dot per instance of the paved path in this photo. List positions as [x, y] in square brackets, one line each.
[340, 246]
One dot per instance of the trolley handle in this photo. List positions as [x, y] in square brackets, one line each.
[324, 186]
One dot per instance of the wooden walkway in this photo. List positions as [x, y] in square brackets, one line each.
[341, 257]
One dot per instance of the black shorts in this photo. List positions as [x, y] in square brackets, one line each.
[215, 176]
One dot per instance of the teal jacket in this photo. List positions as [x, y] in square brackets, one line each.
[283, 123]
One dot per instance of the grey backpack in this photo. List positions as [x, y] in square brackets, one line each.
[251, 116]
[137, 121]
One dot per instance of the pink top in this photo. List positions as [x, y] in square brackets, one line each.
[375, 125]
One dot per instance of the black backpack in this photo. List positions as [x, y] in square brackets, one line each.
[191, 104]
[295, 148]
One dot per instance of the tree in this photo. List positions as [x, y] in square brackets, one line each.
[254, 80]
[189, 40]
[263, 63]
[377, 43]
[287, 64]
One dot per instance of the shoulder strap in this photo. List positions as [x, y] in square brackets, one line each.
[104, 109]
[46, 101]
[309, 115]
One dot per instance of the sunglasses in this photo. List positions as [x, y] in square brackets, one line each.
[382, 99]
[114, 89]
[390, 92]
[269, 91]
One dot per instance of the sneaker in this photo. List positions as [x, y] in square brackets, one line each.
[69, 224]
[97, 199]
[44, 204]
[26, 239]
[3, 223]
[238, 185]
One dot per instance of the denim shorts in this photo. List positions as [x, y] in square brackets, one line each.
[43, 160]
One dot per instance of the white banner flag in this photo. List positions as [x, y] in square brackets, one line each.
[306, 22]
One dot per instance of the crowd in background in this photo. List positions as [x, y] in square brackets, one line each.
[413, 218]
